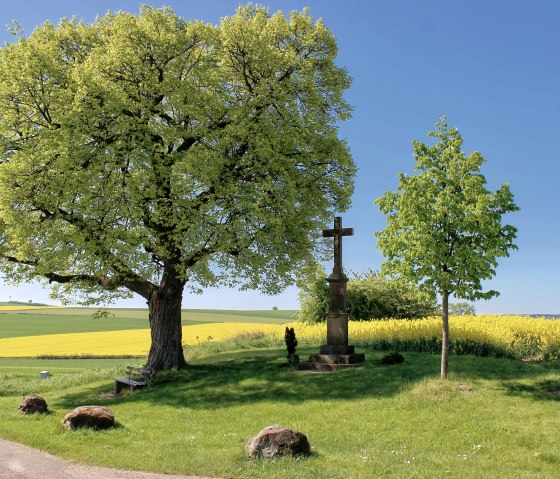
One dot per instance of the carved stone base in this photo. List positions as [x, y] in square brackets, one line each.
[337, 349]
[333, 357]
[348, 359]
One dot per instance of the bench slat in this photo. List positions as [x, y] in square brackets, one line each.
[131, 382]
[137, 377]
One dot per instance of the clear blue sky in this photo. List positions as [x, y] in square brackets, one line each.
[492, 67]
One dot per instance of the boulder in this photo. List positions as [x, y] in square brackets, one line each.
[95, 417]
[277, 441]
[32, 404]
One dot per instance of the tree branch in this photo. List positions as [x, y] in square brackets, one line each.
[128, 277]
[136, 285]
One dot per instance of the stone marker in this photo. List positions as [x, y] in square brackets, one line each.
[337, 318]
[96, 417]
[32, 404]
[277, 441]
[337, 353]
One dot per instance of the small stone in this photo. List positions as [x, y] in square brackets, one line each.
[277, 441]
[95, 417]
[32, 404]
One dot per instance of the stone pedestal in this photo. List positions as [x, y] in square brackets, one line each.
[332, 362]
[337, 329]
[337, 353]
[336, 349]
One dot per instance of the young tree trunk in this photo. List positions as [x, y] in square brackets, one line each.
[445, 334]
[164, 304]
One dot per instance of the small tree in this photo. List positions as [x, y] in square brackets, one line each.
[461, 309]
[444, 227]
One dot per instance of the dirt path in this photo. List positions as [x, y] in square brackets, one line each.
[23, 462]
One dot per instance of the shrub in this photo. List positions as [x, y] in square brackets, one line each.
[291, 344]
[370, 296]
[313, 298]
[392, 358]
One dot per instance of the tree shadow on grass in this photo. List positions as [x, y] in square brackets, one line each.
[231, 379]
[544, 390]
[253, 376]
[500, 369]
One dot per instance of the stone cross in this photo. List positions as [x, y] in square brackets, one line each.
[337, 233]
[337, 353]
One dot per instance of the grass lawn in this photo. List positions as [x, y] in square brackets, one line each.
[494, 418]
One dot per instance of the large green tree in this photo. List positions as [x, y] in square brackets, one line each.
[145, 154]
[444, 227]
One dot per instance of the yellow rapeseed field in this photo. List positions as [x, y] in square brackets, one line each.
[21, 307]
[134, 342]
[498, 329]
[513, 335]
[507, 333]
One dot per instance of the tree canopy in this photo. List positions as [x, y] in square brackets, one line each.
[462, 309]
[145, 153]
[444, 227]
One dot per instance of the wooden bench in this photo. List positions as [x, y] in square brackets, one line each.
[137, 378]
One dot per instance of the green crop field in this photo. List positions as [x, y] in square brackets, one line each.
[38, 322]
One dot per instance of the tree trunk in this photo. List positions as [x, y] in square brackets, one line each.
[445, 334]
[166, 351]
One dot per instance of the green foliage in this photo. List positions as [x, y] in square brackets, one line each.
[444, 227]
[370, 296]
[524, 347]
[461, 309]
[145, 147]
[101, 313]
[313, 296]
